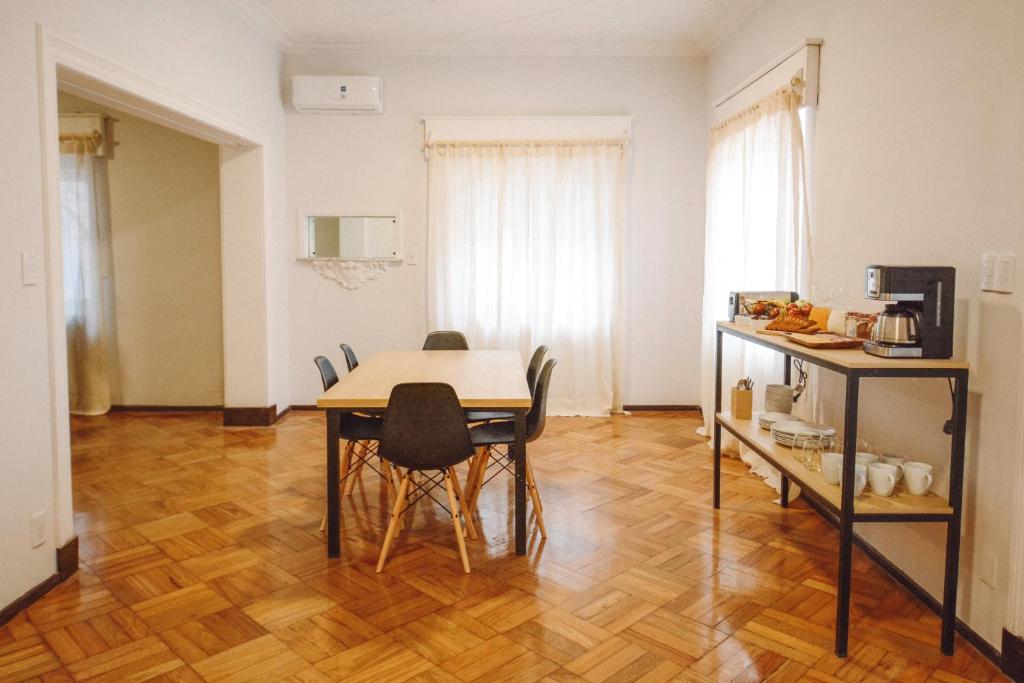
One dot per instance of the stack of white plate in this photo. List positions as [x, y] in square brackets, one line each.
[766, 420]
[795, 433]
[778, 398]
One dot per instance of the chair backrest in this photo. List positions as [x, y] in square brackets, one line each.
[538, 414]
[327, 374]
[424, 427]
[533, 369]
[446, 340]
[350, 357]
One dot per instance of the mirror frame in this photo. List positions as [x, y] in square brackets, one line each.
[303, 233]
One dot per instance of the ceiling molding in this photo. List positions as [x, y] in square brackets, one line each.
[719, 36]
[262, 20]
[518, 49]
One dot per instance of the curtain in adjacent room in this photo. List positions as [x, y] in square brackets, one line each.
[757, 234]
[525, 249]
[85, 244]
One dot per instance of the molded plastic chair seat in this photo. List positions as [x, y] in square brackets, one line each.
[360, 427]
[493, 433]
[482, 416]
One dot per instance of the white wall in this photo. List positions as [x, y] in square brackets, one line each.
[226, 67]
[375, 163]
[918, 160]
[165, 236]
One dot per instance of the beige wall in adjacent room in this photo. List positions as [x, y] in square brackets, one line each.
[917, 160]
[165, 232]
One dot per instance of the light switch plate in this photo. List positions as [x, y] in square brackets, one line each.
[997, 272]
[29, 268]
[411, 258]
[38, 528]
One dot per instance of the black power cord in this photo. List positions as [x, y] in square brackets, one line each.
[948, 427]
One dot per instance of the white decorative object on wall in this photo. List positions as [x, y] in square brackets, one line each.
[350, 274]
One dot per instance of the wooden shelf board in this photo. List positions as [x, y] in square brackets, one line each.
[901, 502]
[853, 359]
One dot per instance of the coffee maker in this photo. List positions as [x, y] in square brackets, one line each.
[919, 322]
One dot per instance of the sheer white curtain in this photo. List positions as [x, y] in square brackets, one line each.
[525, 250]
[757, 234]
[85, 243]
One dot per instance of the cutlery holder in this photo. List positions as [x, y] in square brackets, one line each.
[742, 403]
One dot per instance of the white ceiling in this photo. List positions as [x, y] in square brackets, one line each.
[594, 27]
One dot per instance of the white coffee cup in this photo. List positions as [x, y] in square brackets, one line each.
[860, 479]
[897, 461]
[866, 459]
[882, 477]
[918, 477]
[832, 467]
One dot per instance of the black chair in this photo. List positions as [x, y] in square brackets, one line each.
[359, 431]
[424, 432]
[350, 357]
[490, 434]
[446, 340]
[532, 370]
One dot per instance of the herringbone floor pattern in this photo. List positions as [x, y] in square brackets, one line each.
[202, 560]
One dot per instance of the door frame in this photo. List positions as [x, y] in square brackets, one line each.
[244, 229]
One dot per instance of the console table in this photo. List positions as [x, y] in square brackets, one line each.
[838, 504]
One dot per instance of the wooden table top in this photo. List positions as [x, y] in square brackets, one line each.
[855, 359]
[482, 379]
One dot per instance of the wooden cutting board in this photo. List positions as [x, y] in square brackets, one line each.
[825, 340]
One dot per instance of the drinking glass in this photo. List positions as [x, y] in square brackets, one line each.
[811, 453]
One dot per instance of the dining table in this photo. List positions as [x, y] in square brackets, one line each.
[492, 381]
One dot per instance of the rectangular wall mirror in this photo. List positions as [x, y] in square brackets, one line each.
[351, 237]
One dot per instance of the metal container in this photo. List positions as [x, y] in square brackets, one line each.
[897, 325]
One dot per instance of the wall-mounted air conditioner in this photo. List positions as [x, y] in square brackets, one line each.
[338, 94]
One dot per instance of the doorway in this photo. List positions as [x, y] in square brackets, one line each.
[245, 211]
[140, 213]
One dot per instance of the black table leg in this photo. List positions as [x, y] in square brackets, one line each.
[717, 429]
[333, 496]
[785, 491]
[956, 488]
[520, 467]
[846, 515]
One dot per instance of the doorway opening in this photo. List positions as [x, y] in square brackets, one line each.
[244, 211]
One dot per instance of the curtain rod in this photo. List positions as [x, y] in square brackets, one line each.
[768, 69]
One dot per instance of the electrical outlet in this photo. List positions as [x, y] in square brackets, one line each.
[38, 528]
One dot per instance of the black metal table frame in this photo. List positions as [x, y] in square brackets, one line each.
[334, 472]
[845, 516]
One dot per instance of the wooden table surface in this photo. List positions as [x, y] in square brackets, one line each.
[482, 379]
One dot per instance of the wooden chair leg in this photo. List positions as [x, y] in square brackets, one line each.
[346, 460]
[396, 514]
[538, 509]
[481, 476]
[358, 471]
[448, 478]
[462, 504]
[471, 474]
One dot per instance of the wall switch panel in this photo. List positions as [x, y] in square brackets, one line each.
[29, 268]
[38, 528]
[997, 272]
[411, 258]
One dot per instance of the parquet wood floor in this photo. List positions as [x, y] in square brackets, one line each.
[202, 560]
